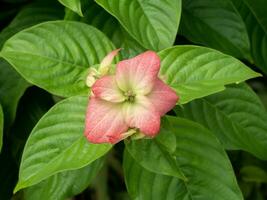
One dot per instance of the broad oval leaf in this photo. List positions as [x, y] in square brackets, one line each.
[12, 87]
[74, 5]
[64, 184]
[152, 23]
[216, 24]
[236, 116]
[1, 126]
[57, 143]
[30, 15]
[196, 72]
[56, 55]
[143, 184]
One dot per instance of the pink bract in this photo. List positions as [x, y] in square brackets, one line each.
[134, 97]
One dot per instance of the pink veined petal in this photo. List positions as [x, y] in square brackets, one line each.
[142, 114]
[106, 62]
[162, 97]
[104, 122]
[139, 73]
[106, 88]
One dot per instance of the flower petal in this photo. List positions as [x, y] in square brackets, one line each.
[104, 122]
[106, 88]
[142, 114]
[139, 73]
[106, 62]
[162, 97]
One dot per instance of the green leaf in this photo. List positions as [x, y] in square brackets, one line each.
[154, 155]
[253, 174]
[1, 127]
[145, 185]
[236, 116]
[57, 143]
[12, 87]
[30, 15]
[258, 8]
[65, 184]
[34, 103]
[96, 16]
[99, 18]
[74, 5]
[216, 24]
[194, 72]
[202, 160]
[56, 55]
[153, 24]
[255, 17]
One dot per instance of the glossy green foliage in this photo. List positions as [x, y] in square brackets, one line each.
[200, 158]
[236, 116]
[216, 24]
[153, 24]
[195, 72]
[74, 5]
[64, 184]
[61, 129]
[51, 56]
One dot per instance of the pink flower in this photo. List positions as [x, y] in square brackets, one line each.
[131, 101]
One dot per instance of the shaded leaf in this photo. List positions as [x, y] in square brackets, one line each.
[143, 184]
[12, 87]
[30, 15]
[254, 15]
[152, 156]
[204, 162]
[253, 174]
[216, 24]
[33, 104]
[236, 116]
[96, 16]
[153, 24]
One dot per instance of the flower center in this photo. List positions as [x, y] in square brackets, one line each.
[130, 96]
